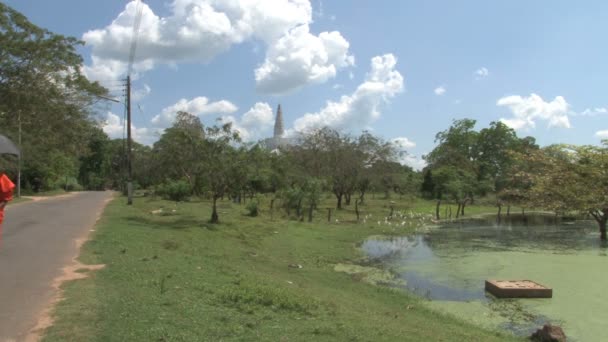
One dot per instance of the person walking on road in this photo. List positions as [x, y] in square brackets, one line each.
[6, 195]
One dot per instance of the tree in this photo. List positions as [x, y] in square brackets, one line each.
[94, 172]
[571, 178]
[312, 191]
[218, 163]
[491, 151]
[325, 153]
[177, 152]
[427, 187]
[43, 91]
[455, 146]
[377, 158]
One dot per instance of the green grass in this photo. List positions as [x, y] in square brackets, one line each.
[174, 277]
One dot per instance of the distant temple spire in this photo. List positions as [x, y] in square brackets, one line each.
[278, 125]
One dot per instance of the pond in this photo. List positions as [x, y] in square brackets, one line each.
[448, 265]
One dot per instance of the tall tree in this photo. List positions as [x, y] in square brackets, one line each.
[43, 91]
[177, 152]
[456, 146]
[571, 178]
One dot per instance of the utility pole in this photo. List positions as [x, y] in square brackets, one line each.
[129, 151]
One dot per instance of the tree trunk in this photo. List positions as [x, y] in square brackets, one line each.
[214, 217]
[601, 217]
[498, 217]
[271, 209]
[347, 199]
[299, 208]
[357, 209]
[450, 211]
[328, 214]
[437, 210]
[362, 197]
[509, 210]
[310, 209]
[458, 210]
[464, 203]
[339, 205]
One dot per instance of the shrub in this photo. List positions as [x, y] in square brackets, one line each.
[177, 191]
[252, 208]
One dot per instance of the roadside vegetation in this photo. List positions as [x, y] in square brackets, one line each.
[172, 276]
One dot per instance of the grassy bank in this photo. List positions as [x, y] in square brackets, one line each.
[173, 277]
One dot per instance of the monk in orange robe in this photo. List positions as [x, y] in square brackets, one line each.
[6, 195]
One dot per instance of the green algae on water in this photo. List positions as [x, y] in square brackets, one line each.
[455, 260]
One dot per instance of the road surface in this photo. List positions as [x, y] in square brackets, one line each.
[38, 241]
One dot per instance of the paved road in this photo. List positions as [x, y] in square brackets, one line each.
[38, 241]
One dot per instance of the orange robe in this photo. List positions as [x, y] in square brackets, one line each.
[6, 194]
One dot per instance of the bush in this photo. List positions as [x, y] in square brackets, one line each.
[68, 184]
[252, 208]
[177, 191]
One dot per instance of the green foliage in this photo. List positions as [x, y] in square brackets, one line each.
[43, 91]
[565, 178]
[253, 208]
[177, 191]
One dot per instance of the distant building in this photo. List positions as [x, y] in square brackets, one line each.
[278, 139]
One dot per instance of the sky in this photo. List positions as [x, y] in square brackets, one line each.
[403, 70]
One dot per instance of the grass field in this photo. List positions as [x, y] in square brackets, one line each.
[174, 277]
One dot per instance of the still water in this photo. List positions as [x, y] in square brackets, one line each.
[448, 264]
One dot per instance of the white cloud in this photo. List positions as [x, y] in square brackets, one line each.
[362, 107]
[413, 161]
[481, 73]
[114, 127]
[301, 58]
[403, 143]
[527, 110]
[440, 90]
[197, 106]
[254, 123]
[140, 94]
[200, 30]
[593, 111]
[602, 134]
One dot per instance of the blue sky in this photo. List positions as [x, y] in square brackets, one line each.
[403, 69]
